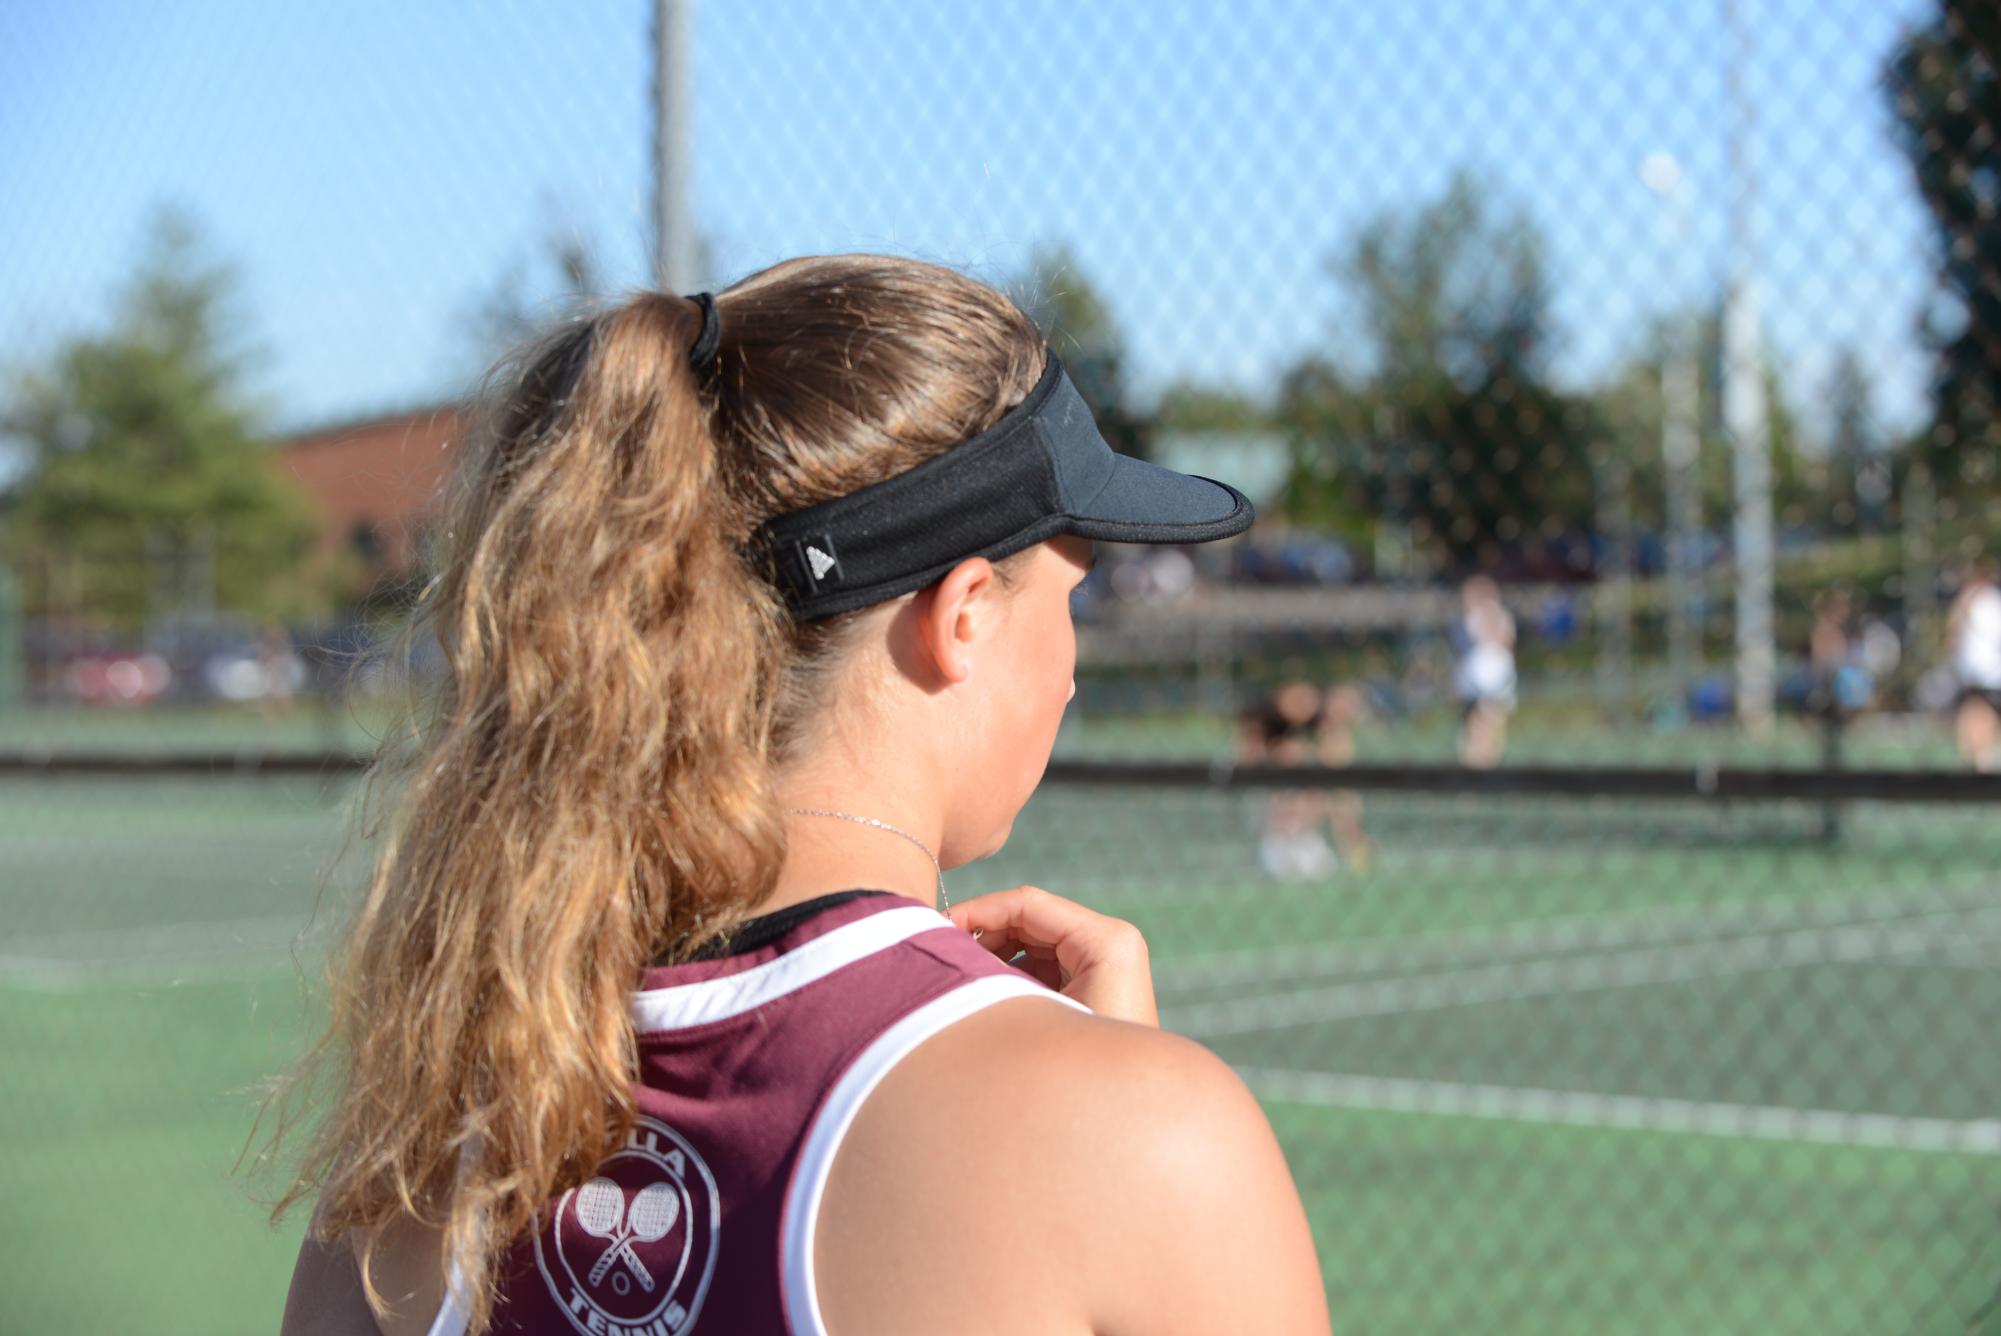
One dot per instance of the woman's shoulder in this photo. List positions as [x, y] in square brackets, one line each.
[1066, 1066]
[1030, 1074]
[1096, 1155]
[328, 1297]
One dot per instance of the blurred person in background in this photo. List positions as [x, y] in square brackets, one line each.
[1296, 723]
[647, 1021]
[1341, 714]
[281, 669]
[1485, 678]
[1425, 679]
[1878, 649]
[1839, 683]
[1973, 641]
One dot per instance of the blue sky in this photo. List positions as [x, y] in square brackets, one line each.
[373, 167]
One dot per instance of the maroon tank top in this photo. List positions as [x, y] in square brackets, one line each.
[752, 1066]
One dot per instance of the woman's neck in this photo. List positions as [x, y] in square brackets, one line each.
[825, 854]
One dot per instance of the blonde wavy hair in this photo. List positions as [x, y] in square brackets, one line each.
[589, 788]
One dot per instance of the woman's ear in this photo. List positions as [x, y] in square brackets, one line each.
[955, 615]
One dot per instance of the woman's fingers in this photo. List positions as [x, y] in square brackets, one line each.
[1096, 959]
[1043, 969]
[1028, 912]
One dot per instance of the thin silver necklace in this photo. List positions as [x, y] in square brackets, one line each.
[884, 825]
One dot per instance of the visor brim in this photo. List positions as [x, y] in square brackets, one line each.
[1145, 503]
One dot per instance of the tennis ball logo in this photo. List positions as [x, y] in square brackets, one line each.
[632, 1250]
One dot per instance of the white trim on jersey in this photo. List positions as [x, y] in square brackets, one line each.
[687, 1004]
[823, 1138]
[453, 1316]
[455, 1311]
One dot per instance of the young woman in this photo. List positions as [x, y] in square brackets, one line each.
[755, 611]
[1485, 679]
[1973, 639]
[1296, 723]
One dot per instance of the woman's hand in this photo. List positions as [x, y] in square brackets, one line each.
[1096, 959]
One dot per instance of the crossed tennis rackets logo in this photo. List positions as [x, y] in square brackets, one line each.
[602, 1211]
[634, 1247]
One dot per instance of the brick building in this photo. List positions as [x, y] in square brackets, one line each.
[374, 484]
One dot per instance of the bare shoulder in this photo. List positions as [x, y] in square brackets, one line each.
[1090, 1077]
[1128, 1170]
[327, 1297]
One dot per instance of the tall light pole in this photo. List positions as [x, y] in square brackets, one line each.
[677, 261]
[1613, 483]
[13, 660]
[1680, 427]
[1745, 412]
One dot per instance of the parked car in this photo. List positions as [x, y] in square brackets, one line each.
[351, 657]
[116, 677]
[1157, 575]
[1294, 559]
[227, 658]
[259, 671]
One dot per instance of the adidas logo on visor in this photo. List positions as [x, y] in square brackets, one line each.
[818, 553]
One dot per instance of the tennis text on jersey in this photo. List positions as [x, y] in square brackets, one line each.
[631, 1252]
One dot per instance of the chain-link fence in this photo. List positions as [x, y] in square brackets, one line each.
[1616, 385]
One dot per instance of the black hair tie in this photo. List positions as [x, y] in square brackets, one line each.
[711, 337]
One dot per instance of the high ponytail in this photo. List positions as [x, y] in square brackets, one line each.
[590, 787]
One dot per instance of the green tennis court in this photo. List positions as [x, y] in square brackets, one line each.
[1549, 1066]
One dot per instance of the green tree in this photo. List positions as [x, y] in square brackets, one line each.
[1327, 422]
[1190, 406]
[1448, 430]
[1079, 325]
[1853, 447]
[1629, 408]
[1943, 82]
[148, 489]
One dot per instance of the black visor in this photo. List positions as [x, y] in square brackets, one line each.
[1040, 471]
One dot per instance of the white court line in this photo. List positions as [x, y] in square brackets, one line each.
[62, 976]
[165, 952]
[1556, 935]
[1145, 889]
[1572, 1108]
[1602, 971]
